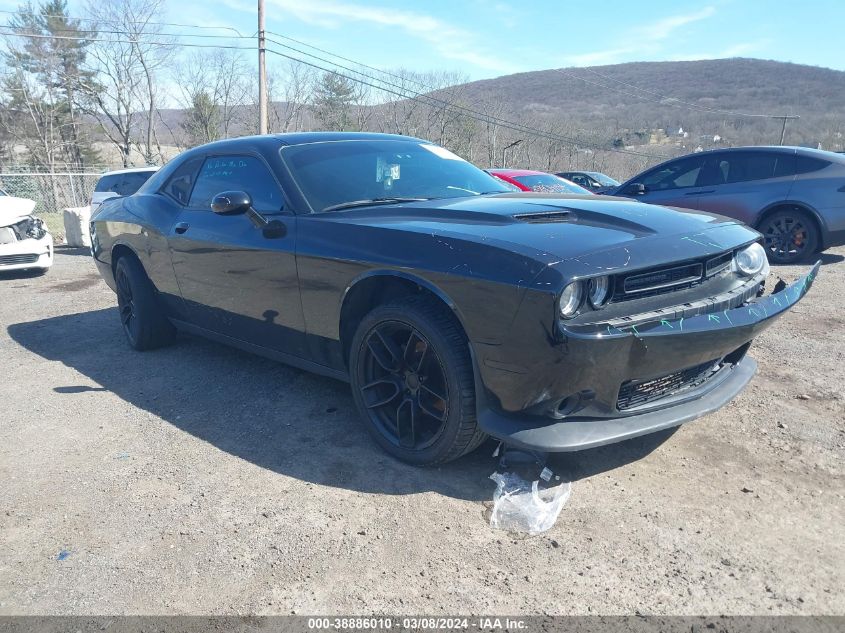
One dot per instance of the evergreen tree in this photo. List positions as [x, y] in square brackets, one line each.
[45, 85]
[334, 96]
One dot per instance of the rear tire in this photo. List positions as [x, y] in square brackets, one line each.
[790, 235]
[143, 320]
[412, 381]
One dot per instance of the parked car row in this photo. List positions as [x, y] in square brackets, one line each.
[794, 196]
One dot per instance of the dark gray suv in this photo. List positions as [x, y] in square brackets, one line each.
[793, 195]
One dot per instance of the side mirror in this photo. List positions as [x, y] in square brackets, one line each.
[231, 203]
[635, 189]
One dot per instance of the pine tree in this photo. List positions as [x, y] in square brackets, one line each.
[333, 99]
[46, 83]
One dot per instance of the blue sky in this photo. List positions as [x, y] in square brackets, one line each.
[488, 38]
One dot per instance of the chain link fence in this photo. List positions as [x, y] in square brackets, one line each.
[52, 192]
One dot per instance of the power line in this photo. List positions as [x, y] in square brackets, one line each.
[406, 93]
[82, 33]
[125, 41]
[439, 89]
[396, 91]
[96, 21]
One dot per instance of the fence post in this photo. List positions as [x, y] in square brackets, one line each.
[73, 191]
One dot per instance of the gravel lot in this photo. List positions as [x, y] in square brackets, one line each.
[199, 479]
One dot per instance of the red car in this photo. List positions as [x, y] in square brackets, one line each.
[529, 180]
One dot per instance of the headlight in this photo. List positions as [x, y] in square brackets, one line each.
[599, 290]
[751, 260]
[570, 299]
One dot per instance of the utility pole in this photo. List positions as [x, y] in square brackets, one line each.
[785, 118]
[262, 73]
[506, 148]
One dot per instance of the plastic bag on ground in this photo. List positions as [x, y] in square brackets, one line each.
[522, 506]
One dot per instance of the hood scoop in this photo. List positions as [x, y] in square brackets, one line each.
[544, 217]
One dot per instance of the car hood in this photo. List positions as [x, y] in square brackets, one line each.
[552, 227]
[13, 210]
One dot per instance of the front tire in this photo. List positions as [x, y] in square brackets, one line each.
[789, 235]
[144, 323]
[412, 381]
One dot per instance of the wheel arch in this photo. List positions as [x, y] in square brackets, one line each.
[376, 287]
[122, 250]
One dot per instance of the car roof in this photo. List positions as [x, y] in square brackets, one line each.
[787, 149]
[302, 138]
[129, 170]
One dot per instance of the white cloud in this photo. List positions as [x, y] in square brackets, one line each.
[448, 41]
[662, 29]
[641, 41]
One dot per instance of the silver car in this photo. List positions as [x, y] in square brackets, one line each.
[121, 182]
[794, 196]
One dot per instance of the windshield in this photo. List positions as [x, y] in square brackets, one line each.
[334, 173]
[606, 181]
[550, 184]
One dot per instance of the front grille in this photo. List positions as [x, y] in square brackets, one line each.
[8, 260]
[660, 279]
[634, 394]
[718, 264]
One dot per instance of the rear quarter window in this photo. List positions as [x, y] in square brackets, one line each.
[107, 183]
[808, 164]
[181, 181]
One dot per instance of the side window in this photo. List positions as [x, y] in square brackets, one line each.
[578, 179]
[681, 173]
[181, 181]
[745, 166]
[806, 164]
[237, 173]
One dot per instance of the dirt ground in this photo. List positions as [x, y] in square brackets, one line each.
[202, 480]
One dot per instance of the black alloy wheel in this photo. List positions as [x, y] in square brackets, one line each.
[126, 304]
[789, 236]
[404, 385]
[412, 381]
[144, 322]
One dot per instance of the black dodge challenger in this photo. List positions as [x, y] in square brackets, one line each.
[456, 308]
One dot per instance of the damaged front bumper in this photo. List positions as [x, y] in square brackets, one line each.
[25, 244]
[627, 382]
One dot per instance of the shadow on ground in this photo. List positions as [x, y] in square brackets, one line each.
[73, 250]
[825, 258]
[272, 415]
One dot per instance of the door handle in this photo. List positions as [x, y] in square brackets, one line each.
[181, 227]
[699, 192]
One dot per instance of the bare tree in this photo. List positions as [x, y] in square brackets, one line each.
[127, 59]
[214, 92]
[291, 89]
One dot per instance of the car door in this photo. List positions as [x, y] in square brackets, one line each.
[674, 184]
[237, 279]
[740, 183]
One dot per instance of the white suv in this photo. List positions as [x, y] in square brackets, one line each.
[121, 182]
